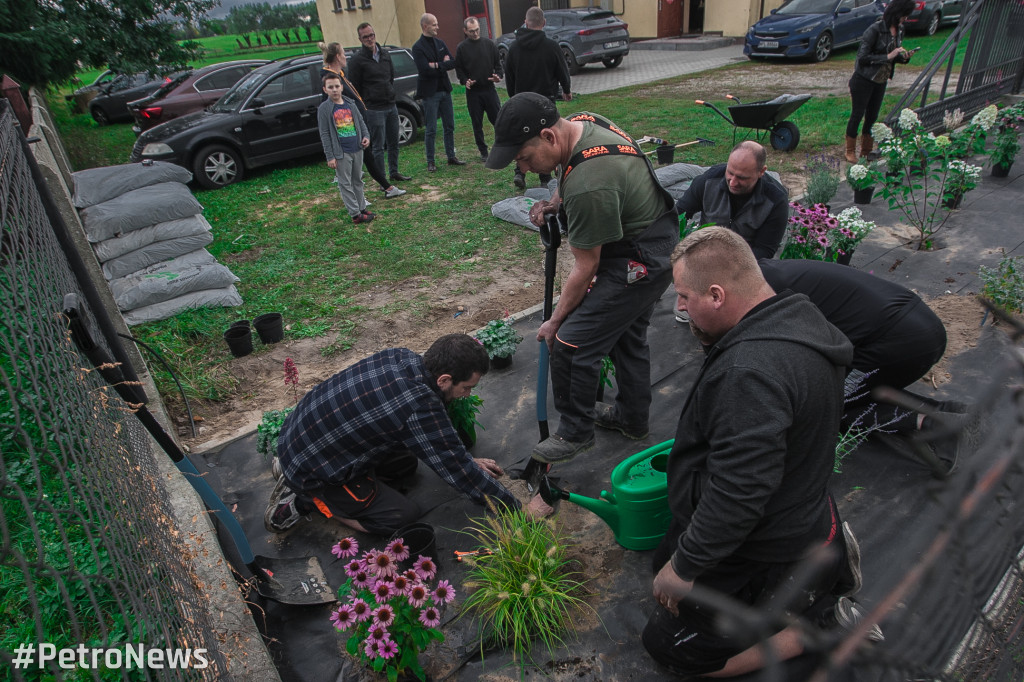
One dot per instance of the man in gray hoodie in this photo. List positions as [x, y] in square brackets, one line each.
[750, 467]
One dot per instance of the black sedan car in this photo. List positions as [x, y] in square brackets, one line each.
[267, 117]
[110, 105]
[585, 36]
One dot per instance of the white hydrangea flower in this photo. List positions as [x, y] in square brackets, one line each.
[858, 171]
[909, 119]
[942, 141]
[986, 117]
[881, 132]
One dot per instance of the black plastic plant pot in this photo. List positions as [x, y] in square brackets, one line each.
[501, 362]
[666, 153]
[420, 539]
[239, 340]
[241, 323]
[1001, 170]
[863, 196]
[270, 327]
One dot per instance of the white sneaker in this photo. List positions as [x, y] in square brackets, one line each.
[393, 192]
[682, 317]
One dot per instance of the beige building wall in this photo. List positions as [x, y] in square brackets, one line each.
[734, 17]
[396, 22]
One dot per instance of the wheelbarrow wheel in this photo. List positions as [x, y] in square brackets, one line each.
[785, 136]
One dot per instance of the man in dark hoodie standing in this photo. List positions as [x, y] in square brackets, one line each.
[750, 467]
[433, 62]
[478, 67]
[535, 64]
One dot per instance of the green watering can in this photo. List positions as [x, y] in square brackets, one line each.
[637, 507]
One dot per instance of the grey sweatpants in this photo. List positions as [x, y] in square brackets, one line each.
[349, 170]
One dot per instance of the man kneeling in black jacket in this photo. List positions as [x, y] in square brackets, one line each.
[749, 471]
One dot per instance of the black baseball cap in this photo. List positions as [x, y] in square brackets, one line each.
[520, 120]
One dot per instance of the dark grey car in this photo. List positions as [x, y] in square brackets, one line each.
[110, 104]
[267, 117]
[585, 36]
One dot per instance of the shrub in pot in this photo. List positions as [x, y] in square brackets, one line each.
[500, 339]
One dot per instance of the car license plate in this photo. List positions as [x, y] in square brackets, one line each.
[768, 44]
[614, 43]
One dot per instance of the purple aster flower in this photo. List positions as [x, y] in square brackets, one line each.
[398, 549]
[388, 649]
[417, 595]
[382, 563]
[343, 618]
[400, 585]
[346, 547]
[370, 649]
[377, 633]
[444, 593]
[361, 610]
[353, 567]
[382, 591]
[430, 617]
[383, 615]
[361, 579]
[425, 567]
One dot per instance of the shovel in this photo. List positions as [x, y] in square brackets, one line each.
[551, 238]
[289, 581]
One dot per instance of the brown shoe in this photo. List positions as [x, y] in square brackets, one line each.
[867, 143]
[851, 149]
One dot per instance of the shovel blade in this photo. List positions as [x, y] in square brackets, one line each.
[293, 581]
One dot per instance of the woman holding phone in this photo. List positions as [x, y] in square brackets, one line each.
[881, 47]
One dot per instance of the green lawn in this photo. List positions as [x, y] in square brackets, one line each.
[285, 233]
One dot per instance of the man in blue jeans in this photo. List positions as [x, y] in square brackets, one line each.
[373, 74]
[433, 61]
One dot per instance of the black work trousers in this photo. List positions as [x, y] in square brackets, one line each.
[612, 319]
[482, 101]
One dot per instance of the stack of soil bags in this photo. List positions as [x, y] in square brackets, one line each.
[149, 234]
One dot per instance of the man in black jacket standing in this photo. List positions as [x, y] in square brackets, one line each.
[535, 64]
[478, 67]
[750, 466]
[433, 62]
[373, 75]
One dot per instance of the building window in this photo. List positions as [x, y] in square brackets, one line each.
[365, 4]
[350, 5]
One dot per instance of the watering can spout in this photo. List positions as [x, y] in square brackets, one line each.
[605, 507]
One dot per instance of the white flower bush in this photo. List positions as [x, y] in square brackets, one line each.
[908, 119]
[852, 220]
[881, 132]
[985, 118]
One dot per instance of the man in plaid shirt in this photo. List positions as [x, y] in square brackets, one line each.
[368, 426]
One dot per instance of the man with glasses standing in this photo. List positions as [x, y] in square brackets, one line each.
[373, 75]
[478, 67]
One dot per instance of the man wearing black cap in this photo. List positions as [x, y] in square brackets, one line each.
[622, 227]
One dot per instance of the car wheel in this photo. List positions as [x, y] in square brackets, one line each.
[822, 48]
[785, 136]
[933, 24]
[406, 127]
[570, 61]
[99, 115]
[217, 166]
[612, 63]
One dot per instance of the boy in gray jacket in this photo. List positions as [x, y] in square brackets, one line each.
[344, 136]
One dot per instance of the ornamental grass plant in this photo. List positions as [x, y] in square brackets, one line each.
[822, 179]
[522, 585]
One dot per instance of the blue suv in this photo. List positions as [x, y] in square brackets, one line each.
[810, 29]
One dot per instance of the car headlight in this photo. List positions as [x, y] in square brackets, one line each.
[156, 149]
[807, 29]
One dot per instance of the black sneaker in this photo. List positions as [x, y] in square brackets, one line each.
[519, 181]
[282, 512]
[607, 418]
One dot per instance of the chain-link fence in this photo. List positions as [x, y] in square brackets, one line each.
[90, 558]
